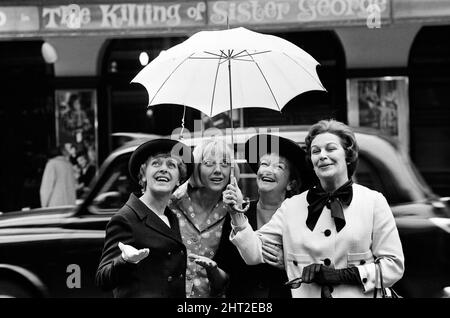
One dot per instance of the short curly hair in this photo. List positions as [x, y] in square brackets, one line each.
[346, 136]
[182, 169]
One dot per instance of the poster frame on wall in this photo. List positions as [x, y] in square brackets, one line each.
[76, 122]
[380, 103]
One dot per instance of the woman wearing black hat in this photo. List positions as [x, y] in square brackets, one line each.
[334, 233]
[143, 254]
[279, 167]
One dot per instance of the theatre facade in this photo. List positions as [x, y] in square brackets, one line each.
[385, 65]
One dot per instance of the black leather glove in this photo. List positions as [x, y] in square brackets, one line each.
[309, 273]
[327, 276]
[330, 276]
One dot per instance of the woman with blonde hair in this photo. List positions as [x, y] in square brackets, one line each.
[204, 219]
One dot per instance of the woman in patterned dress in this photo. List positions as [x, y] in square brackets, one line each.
[204, 218]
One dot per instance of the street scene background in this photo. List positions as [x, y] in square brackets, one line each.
[66, 81]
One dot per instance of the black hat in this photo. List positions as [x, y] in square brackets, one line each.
[261, 144]
[156, 146]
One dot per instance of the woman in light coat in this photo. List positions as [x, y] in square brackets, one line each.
[332, 233]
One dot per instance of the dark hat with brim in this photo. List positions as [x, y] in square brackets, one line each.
[261, 144]
[159, 146]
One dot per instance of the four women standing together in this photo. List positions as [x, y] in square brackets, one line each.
[327, 237]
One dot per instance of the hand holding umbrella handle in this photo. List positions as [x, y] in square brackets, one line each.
[244, 209]
[245, 201]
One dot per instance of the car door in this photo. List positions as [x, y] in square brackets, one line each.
[425, 245]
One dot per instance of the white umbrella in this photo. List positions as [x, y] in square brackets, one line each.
[217, 71]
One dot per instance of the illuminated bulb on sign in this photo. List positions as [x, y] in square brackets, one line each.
[143, 58]
[49, 53]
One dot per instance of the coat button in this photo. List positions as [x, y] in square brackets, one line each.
[169, 253]
[362, 262]
[364, 280]
[181, 276]
[327, 261]
[169, 279]
[295, 263]
[327, 232]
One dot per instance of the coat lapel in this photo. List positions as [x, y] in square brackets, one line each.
[153, 221]
[173, 220]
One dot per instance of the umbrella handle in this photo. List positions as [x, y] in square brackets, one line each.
[243, 210]
[235, 207]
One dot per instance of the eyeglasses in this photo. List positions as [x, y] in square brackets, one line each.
[294, 283]
[211, 163]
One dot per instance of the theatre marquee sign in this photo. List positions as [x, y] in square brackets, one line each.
[124, 16]
[179, 16]
[295, 11]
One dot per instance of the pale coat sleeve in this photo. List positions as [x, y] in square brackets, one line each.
[47, 183]
[249, 242]
[386, 244]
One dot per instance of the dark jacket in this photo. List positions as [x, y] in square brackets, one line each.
[162, 273]
[252, 281]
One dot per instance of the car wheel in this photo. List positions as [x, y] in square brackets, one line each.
[12, 289]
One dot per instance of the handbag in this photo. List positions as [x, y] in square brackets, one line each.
[386, 292]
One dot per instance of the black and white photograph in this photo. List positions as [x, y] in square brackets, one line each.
[225, 156]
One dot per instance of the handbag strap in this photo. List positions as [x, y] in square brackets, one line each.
[383, 291]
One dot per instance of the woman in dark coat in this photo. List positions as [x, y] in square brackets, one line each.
[143, 254]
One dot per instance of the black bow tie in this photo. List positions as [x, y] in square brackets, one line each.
[318, 198]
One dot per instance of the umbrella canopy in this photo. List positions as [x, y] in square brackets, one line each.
[215, 71]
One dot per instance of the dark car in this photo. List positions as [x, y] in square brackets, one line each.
[55, 252]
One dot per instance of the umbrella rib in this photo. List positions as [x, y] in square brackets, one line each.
[219, 56]
[250, 54]
[237, 54]
[242, 60]
[173, 71]
[312, 76]
[229, 55]
[225, 60]
[268, 85]
[215, 54]
[215, 85]
[205, 58]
